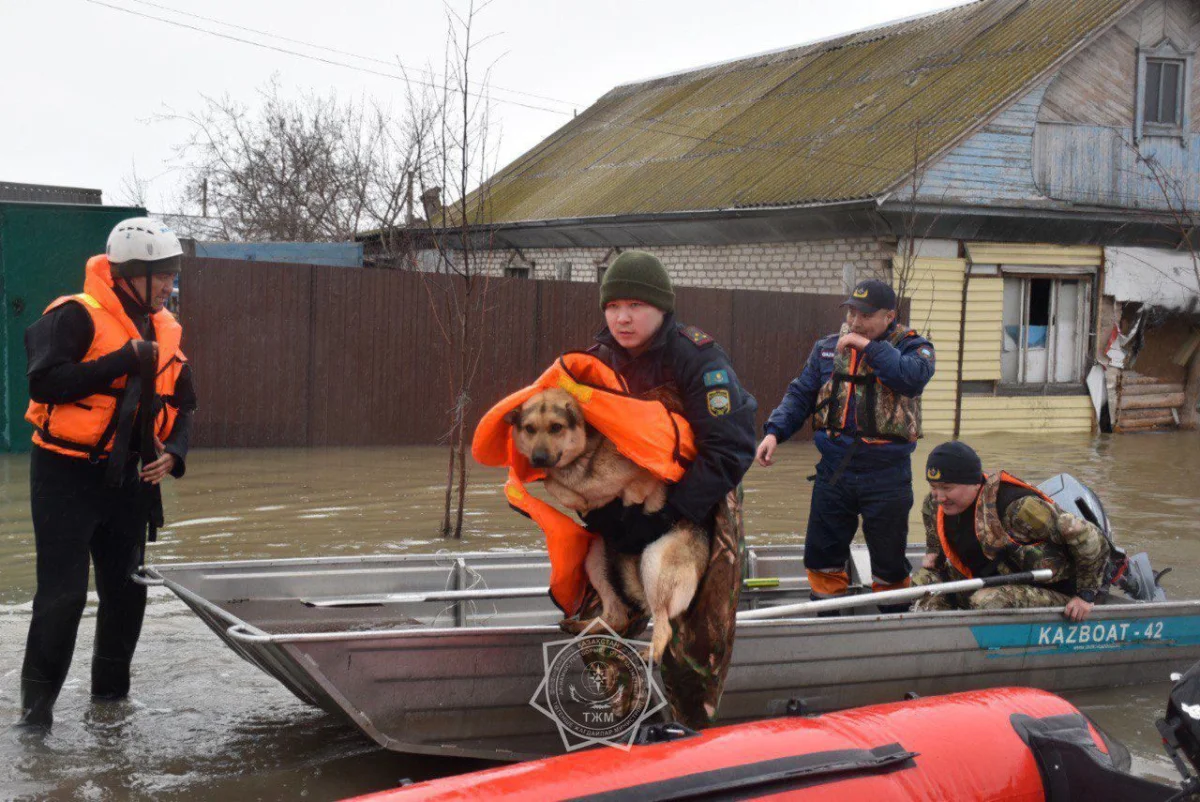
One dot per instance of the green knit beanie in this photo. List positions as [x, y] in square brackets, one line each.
[637, 276]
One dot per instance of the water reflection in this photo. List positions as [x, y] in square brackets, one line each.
[204, 724]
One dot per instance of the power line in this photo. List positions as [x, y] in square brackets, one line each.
[348, 53]
[311, 57]
[698, 137]
[650, 127]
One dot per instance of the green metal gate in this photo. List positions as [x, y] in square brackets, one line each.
[43, 250]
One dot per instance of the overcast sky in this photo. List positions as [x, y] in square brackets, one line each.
[84, 86]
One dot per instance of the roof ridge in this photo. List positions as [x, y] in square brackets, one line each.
[813, 46]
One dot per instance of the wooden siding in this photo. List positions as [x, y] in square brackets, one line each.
[997, 253]
[994, 165]
[1065, 140]
[1040, 414]
[985, 328]
[1095, 165]
[1097, 86]
[936, 299]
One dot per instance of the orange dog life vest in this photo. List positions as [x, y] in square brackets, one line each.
[644, 431]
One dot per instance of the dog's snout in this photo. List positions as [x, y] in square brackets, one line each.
[541, 458]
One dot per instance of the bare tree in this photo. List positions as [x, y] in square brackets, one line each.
[460, 160]
[313, 169]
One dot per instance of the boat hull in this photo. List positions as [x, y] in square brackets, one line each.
[457, 679]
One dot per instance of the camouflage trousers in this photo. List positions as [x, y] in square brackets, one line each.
[696, 662]
[1006, 597]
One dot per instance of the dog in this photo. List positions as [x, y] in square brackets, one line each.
[585, 471]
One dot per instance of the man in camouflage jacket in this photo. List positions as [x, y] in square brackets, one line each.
[977, 526]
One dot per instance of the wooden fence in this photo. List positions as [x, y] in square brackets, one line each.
[302, 355]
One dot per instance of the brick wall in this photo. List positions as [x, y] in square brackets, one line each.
[826, 266]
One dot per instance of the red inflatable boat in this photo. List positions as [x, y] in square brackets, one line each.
[1012, 744]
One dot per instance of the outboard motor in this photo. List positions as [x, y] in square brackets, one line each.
[1133, 575]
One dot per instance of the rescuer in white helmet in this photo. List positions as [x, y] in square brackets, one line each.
[111, 402]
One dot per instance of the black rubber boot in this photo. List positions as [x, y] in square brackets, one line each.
[110, 679]
[37, 704]
[825, 613]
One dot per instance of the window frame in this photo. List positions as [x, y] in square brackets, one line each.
[1164, 51]
[1085, 317]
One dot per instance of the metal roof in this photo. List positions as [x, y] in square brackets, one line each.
[46, 193]
[843, 119]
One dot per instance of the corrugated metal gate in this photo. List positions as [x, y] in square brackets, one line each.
[43, 250]
[302, 355]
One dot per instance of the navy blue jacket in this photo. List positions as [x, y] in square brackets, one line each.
[719, 409]
[906, 370]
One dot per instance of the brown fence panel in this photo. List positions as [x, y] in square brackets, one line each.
[773, 335]
[297, 355]
[247, 334]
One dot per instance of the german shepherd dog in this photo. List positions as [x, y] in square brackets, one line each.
[584, 471]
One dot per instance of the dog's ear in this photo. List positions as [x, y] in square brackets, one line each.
[573, 416]
[513, 416]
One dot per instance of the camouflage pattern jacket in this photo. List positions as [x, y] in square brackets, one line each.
[1032, 533]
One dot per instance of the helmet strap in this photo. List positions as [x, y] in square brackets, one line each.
[129, 288]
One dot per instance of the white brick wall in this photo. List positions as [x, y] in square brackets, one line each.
[819, 266]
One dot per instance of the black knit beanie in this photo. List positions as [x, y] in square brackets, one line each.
[955, 463]
[637, 276]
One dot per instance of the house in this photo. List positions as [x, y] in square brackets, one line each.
[988, 158]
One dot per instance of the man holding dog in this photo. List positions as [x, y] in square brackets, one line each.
[863, 389]
[979, 525]
[654, 353]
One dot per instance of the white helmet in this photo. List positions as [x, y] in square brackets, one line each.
[142, 239]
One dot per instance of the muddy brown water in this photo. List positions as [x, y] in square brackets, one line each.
[203, 724]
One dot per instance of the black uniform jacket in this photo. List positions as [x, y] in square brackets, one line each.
[719, 409]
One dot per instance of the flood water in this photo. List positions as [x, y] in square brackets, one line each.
[203, 724]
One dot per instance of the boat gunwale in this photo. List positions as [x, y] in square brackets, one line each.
[247, 632]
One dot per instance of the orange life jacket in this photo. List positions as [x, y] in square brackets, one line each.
[644, 431]
[993, 539]
[85, 428]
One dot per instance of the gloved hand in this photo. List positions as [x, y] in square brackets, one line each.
[638, 530]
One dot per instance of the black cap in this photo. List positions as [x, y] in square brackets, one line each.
[954, 463]
[872, 295]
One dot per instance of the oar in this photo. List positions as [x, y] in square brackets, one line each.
[482, 594]
[892, 596]
[430, 596]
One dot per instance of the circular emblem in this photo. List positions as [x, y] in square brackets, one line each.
[598, 689]
[933, 474]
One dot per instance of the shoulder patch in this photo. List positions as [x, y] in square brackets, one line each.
[719, 402]
[925, 352]
[697, 337]
[715, 378]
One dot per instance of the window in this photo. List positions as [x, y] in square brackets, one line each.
[1163, 98]
[562, 271]
[1163, 91]
[516, 271]
[1046, 323]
